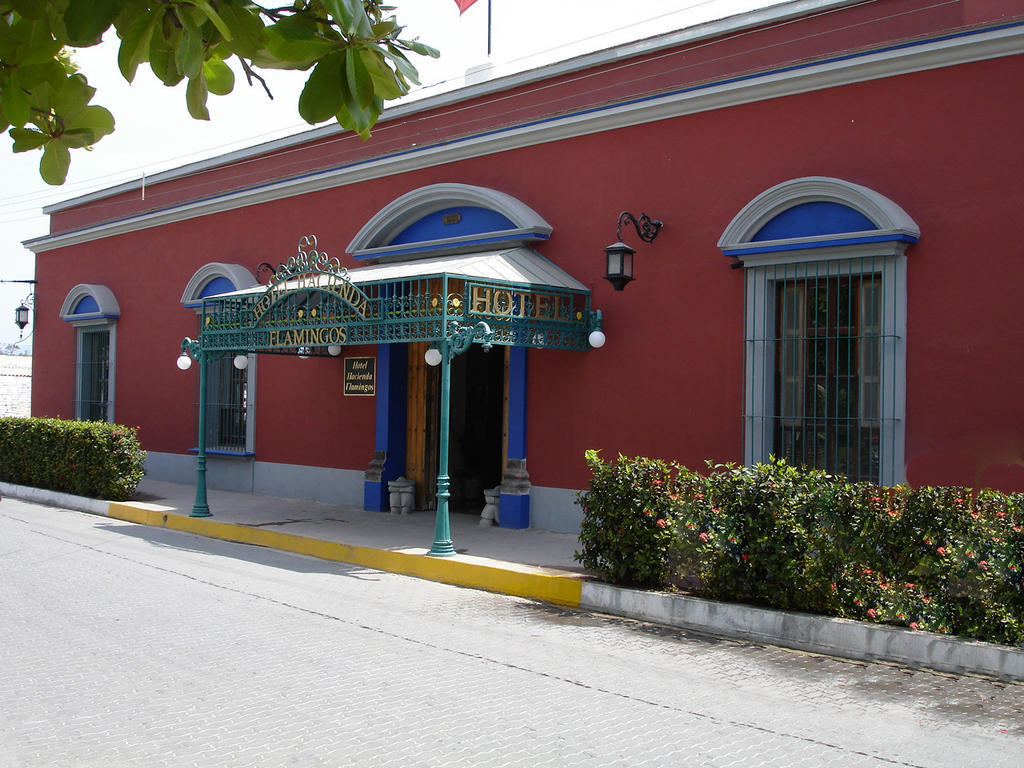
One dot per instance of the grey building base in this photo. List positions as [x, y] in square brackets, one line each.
[551, 509]
[555, 509]
[805, 632]
[246, 475]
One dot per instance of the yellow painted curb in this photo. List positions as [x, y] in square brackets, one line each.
[563, 590]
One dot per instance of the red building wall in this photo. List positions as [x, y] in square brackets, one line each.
[944, 144]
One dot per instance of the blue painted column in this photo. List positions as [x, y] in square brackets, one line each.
[514, 505]
[389, 441]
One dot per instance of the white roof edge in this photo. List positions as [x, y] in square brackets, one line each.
[516, 266]
[758, 17]
[926, 54]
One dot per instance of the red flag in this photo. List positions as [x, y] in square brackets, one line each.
[463, 5]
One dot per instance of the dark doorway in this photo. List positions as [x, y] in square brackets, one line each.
[476, 427]
[477, 394]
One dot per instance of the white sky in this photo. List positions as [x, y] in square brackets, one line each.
[154, 131]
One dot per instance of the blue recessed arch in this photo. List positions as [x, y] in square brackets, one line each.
[821, 217]
[456, 221]
[447, 218]
[216, 286]
[86, 306]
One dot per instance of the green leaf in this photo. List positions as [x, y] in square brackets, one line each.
[16, 105]
[135, 43]
[385, 84]
[161, 60]
[360, 84]
[220, 80]
[214, 17]
[78, 139]
[421, 48]
[351, 16]
[296, 40]
[30, 9]
[402, 64]
[38, 47]
[26, 139]
[321, 96]
[246, 29]
[72, 96]
[353, 114]
[195, 97]
[87, 20]
[385, 28]
[53, 166]
[94, 118]
[188, 57]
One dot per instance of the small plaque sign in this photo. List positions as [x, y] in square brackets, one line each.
[361, 376]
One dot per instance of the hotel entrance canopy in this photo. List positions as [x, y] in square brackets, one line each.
[314, 304]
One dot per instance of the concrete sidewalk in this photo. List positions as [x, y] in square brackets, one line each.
[527, 563]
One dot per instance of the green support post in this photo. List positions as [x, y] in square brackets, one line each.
[201, 508]
[456, 341]
[442, 546]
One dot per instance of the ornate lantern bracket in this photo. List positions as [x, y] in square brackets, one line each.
[619, 256]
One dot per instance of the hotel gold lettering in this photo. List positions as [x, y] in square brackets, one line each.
[507, 302]
[360, 376]
[328, 283]
[307, 337]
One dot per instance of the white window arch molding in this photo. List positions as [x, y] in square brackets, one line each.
[93, 311]
[843, 246]
[505, 223]
[210, 278]
[231, 392]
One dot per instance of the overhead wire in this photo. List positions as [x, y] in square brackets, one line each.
[384, 127]
[132, 173]
[382, 144]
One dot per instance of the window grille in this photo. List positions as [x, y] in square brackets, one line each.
[93, 375]
[825, 365]
[227, 406]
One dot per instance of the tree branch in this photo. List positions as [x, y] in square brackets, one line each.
[250, 76]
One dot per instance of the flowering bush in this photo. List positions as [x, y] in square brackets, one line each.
[86, 458]
[760, 534]
[626, 531]
[941, 559]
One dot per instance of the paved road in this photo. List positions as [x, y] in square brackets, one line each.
[123, 645]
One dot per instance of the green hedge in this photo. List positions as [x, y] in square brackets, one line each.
[86, 458]
[942, 559]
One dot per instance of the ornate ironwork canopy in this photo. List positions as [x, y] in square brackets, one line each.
[313, 302]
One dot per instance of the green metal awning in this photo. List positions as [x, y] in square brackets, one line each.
[313, 303]
[511, 297]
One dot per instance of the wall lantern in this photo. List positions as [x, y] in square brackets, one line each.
[21, 316]
[619, 256]
[24, 309]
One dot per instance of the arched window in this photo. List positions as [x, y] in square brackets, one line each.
[825, 326]
[93, 311]
[230, 391]
[447, 218]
